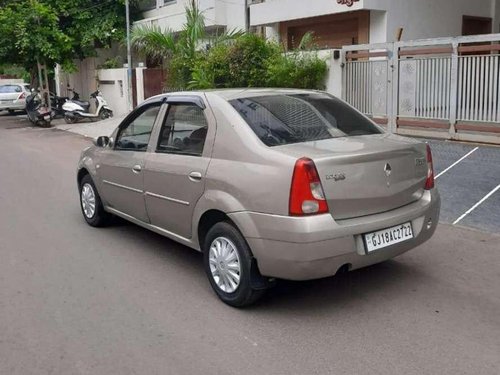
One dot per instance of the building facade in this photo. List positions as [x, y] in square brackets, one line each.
[345, 22]
[335, 22]
[170, 14]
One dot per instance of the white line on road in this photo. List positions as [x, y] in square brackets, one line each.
[477, 205]
[458, 161]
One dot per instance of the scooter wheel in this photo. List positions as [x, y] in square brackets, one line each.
[105, 114]
[69, 119]
[45, 124]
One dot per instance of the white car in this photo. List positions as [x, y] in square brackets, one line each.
[13, 97]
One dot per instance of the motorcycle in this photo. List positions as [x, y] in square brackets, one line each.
[76, 110]
[37, 112]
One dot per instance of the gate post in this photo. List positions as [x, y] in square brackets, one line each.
[453, 90]
[343, 72]
[393, 105]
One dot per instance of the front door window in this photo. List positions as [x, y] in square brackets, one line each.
[135, 136]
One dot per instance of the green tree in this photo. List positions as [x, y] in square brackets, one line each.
[57, 31]
[29, 32]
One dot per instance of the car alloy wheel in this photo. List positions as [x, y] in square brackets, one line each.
[91, 205]
[88, 201]
[224, 264]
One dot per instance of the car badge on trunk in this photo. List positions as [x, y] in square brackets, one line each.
[336, 177]
[387, 169]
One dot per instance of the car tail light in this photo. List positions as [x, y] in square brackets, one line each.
[22, 96]
[429, 182]
[306, 194]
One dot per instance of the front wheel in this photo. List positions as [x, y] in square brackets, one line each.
[91, 204]
[105, 114]
[70, 119]
[228, 265]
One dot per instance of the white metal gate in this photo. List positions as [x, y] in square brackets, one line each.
[445, 87]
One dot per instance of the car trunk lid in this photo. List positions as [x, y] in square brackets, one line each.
[366, 175]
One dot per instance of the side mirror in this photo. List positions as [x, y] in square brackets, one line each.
[102, 141]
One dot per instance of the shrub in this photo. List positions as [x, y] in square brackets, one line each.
[251, 61]
[303, 70]
[247, 61]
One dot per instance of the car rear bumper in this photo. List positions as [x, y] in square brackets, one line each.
[304, 248]
[17, 105]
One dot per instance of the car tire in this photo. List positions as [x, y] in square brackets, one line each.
[223, 265]
[11, 111]
[91, 204]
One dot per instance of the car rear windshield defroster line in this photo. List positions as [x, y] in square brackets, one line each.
[285, 119]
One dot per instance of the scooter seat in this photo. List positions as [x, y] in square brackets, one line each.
[84, 105]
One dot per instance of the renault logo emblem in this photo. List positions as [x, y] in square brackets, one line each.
[387, 169]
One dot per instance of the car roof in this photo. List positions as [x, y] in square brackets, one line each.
[22, 85]
[231, 94]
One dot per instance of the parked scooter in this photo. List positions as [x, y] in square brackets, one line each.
[76, 110]
[37, 112]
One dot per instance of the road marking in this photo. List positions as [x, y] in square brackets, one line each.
[457, 162]
[477, 205]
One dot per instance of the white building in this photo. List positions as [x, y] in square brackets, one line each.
[170, 14]
[336, 22]
[344, 22]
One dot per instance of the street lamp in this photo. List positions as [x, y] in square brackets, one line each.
[129, 59]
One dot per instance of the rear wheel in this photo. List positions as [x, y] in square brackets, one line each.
[228, 265]
[11, 111]
[43, 124]
[91, 205]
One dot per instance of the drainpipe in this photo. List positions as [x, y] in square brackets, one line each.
[129, 59]
[247, 15]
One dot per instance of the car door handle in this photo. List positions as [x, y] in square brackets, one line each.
[195, 176]
[137, 168]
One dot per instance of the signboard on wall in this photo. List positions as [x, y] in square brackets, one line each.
[349, 3]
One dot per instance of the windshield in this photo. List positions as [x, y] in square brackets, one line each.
[284, 119]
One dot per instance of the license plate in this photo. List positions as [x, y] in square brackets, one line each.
[387, 237]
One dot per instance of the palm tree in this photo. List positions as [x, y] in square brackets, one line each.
[161, 44]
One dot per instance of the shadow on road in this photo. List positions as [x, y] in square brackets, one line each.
[323, 294]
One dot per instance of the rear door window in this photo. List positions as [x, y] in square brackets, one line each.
[184, 131]
[284, 119]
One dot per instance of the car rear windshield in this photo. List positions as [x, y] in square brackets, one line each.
[9, 89]
[294, 118]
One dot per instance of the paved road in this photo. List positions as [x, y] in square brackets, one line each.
[468, 173]
[121, 300]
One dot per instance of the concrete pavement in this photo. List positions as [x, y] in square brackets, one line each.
[90, 129]
[122, 300]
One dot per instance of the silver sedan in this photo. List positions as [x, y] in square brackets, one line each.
[268, 184]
